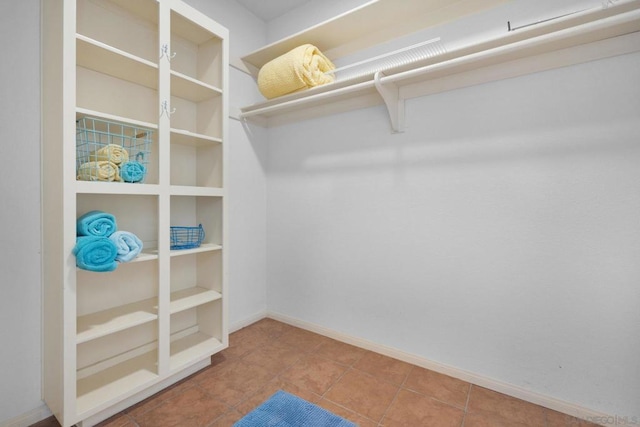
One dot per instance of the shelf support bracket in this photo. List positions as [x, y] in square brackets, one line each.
[390, 94]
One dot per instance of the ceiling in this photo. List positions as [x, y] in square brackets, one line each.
[269, 9]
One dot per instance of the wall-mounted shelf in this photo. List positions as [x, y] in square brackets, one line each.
[586, 36]
[372, 23]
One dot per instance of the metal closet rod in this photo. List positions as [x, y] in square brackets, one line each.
[605, 4]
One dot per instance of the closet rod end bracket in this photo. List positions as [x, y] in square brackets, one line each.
[390, 94]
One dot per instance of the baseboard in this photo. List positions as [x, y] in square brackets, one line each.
[248, 321]
[28, 418]
[479, 380]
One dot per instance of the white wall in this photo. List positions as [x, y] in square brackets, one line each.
[20, 312]
[499, 234]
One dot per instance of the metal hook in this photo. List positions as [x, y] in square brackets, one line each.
[165, 109]
[164, 51]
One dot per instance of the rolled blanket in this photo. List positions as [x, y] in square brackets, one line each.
[96, 223]
[99, 171]
[95, 253]
[113, 153]
[128, 245]
[300, 68]
[132, 171]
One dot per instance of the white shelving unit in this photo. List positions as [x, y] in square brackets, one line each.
[585, 36]
[113, 339]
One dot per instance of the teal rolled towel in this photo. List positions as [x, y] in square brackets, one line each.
[132, 171]
[96, 223]
[95, 253]
[128, 244]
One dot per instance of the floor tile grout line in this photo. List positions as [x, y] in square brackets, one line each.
[430, 397]
[350, 410]
[384, 415]
[161, 402]
[466, 406]
[395, 397]
[275, 377]
[335, 382]
[240, 358]
[349, 367]
[135, 422]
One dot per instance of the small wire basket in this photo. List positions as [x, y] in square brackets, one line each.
[186, 237]
[111, 151]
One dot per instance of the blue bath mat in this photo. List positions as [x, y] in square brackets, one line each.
[286, 410]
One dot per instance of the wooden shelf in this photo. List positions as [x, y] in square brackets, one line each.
[205, 247]
[191, 348]
[144, 257]
[80, 112]
[95, 187]
[103, 388]
[586, 36]
[183, 190]
[367, 25]
[106, 59]
[149, 255]
[117, 319]
[186, 87]
[97, 325]
[191, 297]
[185, 137]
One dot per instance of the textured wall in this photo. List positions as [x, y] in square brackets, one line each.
[20, 311]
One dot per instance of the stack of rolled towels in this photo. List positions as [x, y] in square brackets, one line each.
[111, 163]
[99, 244]
[301, 68]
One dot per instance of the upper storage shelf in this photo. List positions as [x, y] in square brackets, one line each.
[580, 37]
[367, 25]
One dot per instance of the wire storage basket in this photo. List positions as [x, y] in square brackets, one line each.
[186, 237]
[111, 151]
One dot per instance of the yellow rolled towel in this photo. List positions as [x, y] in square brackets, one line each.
[300, 68]
[99, 171]
[110, 153]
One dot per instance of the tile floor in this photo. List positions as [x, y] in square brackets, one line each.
[365, 387]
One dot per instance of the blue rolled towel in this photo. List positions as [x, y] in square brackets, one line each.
[128, 245]
[132, 171]
[96, 223]
[95, 253]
